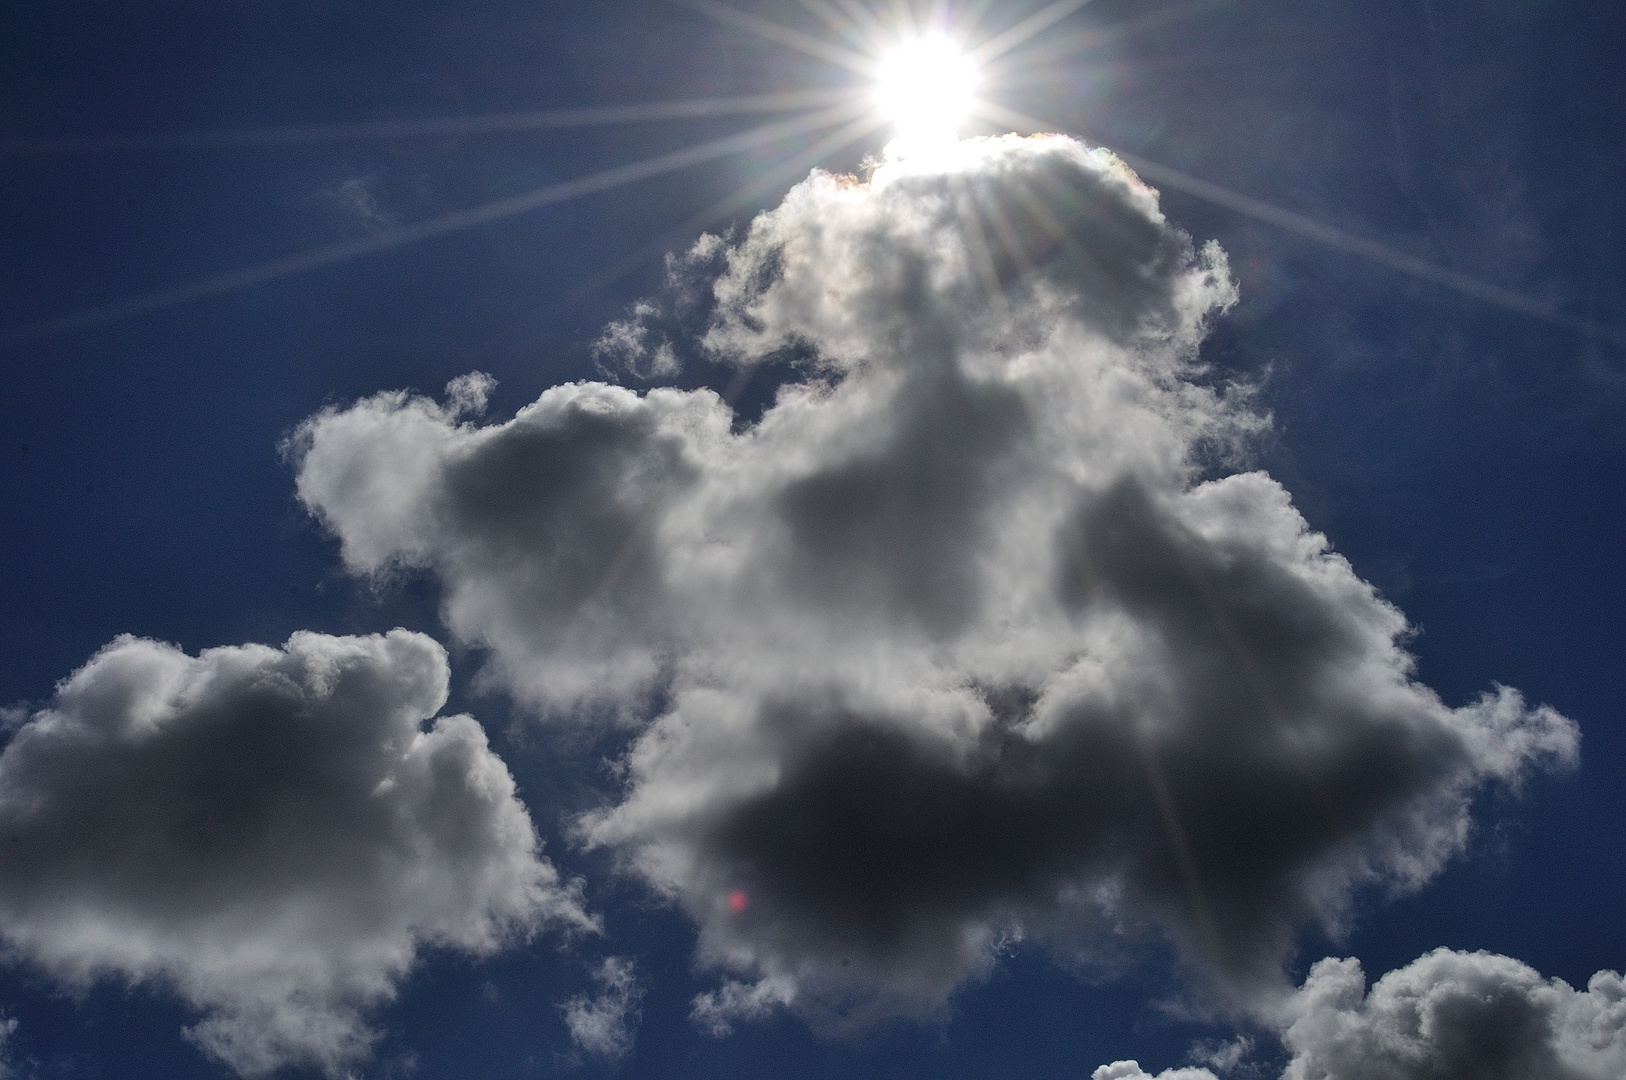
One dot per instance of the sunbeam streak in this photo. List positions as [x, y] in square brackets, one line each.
[789, 170]
[1310, 229]
[1039, 21]
[817, 48]
[440, 226]
[438, 127]
[833, 17]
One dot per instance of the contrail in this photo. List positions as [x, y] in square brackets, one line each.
[440, 226]
[1545, 310]
[449, 126]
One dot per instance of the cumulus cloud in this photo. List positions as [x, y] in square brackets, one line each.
[978, 634]
[1455, 1014]
[273, 833]
[604, 1024]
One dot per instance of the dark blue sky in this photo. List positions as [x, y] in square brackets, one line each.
[1467, 459]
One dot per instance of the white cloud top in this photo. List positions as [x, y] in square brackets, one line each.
[976, 635]
[273, 833]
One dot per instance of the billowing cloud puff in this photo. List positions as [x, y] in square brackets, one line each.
[975, 635]
[1453, 1014]
[273, 833]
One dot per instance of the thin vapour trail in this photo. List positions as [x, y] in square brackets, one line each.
[438, 127]
[440, 226]
[1289, 221]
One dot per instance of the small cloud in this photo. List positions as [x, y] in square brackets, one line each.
[467, 395]
[8, 1027]
[643, 344]
[1222, 1056]
[15, 716]
[604, 1025]
[1131, 1070]
[716, 1011]
[356, 199]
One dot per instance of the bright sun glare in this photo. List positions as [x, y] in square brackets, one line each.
[925, 88]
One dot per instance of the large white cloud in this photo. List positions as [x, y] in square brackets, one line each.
[977, 634]
[273, 833]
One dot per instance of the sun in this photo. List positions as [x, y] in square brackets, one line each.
[926, 87]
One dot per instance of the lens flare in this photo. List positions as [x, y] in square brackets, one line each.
[926, 87]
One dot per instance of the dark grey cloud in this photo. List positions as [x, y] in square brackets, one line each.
[960, 643]
[272, 833]
[1454, 1014]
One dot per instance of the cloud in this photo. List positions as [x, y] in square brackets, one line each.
[273, 833]
[979, 634]
[1454, 1014]
[8, 1027]
[1131, 1070]
[605, 1024]
[1223, 1056]
[1444, 1016]
[645, 343]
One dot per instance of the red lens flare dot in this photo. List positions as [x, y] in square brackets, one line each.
[738, 901]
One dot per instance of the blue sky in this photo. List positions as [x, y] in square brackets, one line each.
[1448, 413]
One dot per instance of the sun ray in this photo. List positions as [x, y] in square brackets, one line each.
[972, 15]
[787, 170]
[678, 236]
[783, 35]
[1009, 240]
[862, 16]
[833, 17]
[1040, 20]
[981, 253]
[903, 19]
[451, 126]
[1057, 46]
[439, 226]
[1310, 229]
